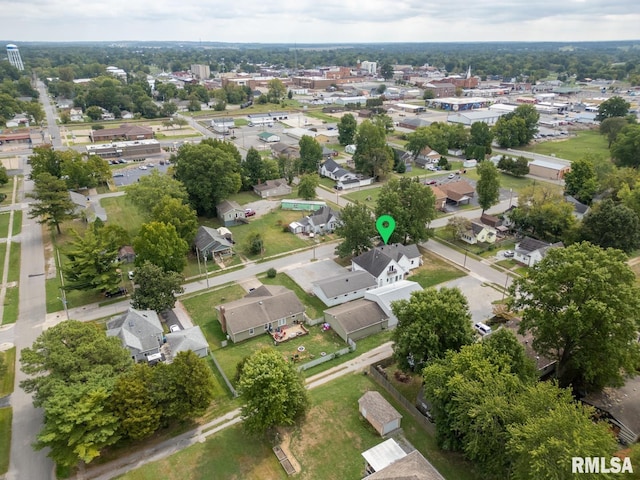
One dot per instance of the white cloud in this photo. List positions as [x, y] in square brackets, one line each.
[312, 21]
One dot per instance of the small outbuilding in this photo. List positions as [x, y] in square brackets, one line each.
[548, 170]
[379, 413]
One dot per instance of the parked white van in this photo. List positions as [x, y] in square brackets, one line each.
[482, 329]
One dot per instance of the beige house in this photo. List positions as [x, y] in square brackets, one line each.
[479, 233]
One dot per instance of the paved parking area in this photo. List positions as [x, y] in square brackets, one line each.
[479, 296]
[306, 275]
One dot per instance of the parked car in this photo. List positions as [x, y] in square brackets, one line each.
[451, 175]
[431, 182]
[174, 328]
[142, 167]
[249, 212]
[119, 174]
[432, 168]
[508, 253]
[116, 293]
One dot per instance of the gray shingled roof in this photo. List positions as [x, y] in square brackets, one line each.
[378, 409]
[375, 261]
[347, 282]
[228, 205]
[528, 245]
[209, 240]
[356, 315]
[264, 305]
[187, 339]
[138, 329]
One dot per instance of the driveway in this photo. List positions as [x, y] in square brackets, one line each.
[305, 275]
[479, 295]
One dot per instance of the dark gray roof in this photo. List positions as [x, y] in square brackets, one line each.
[270, 184]
[138, 330]
[578, 206]
[187, 339]
[210, 240]
[375, 261]
[528, 245]
[331, 165]
[356, 315]
[348, 282]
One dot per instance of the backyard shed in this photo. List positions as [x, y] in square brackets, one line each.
[379, 413]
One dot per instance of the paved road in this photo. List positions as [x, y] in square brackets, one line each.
[50, 113]
[157, 452]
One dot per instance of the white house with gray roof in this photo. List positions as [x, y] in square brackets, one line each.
[324, 220]
[139, 331]
[389, 263]
[335, 171]
[530, 251]
[344, 288]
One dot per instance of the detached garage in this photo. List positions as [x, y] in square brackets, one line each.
[548, 170]
[380, 413]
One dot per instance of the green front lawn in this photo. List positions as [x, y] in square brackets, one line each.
[314, 305]
[122, 212]
[368, 196]
[506, 181]
[586, 143]
[271, 227]
[75, 298]
[434, 271]
[244, 197]
[8, 379]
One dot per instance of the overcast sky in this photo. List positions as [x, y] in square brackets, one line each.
[319, 21]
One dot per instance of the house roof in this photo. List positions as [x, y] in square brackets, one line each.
[266, 135]
[415, 122]
[331, 165]
[126, 250]
[384, 454]
[437, 192]
[187, 339]
[412, 467]
[124, 130]
[622, 403]
[356, 315]
[265, 304]
[387, 294]
[345, 283]
[526, 341]
[549, 165]
[270, 184]
[227, 206]
[210, 240]
[138, 329]
[280, 148]
[378, 409]
[322, 216]
[578, 206]
[375, 261]
[528, 245]
[490, 220]
[458, 189]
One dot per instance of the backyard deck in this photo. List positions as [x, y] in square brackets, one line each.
[288, 332]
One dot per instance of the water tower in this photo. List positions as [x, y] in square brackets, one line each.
[14, 56]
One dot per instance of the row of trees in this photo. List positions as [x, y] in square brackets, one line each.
[93, 396]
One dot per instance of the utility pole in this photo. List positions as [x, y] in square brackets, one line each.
[206, 270]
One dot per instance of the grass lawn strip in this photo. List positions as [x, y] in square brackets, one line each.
[17, 222]
[6, 415]
[10, 312]
[14, 263]
[4, 224]
[7, 381]
[434, 271]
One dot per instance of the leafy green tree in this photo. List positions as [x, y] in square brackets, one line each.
[544, 444]
[113, 235]
[52, 204]
[543, 213]
[503, 344]
[488, 185]
[581, 181]
[613, 107]
[156, 288]
[68, 353]
[172, 211]
[135, 402]
[625, 150]
[430, 323]
[4, 178]
[188, 386]
[273, 392]
[160, 244]
[255, 244]
[94, 113]
[45, 160]
[210, 173]
[386, 70]
[310, 154]
[611, 225]
[385, 121]
[372, 156]
[150, 188]
[510, 132]
[571, 300]
[92, 263]
[78, 421]
[277, 90]
[418, 140]
[168, 109]
[35, 110]
[517, 168]
[482, 136]
[253, 169]
[356, 228]
[630, 196]
[412, 206]
[347, 127]
[457, 226]
[307, 186]
[611, 127]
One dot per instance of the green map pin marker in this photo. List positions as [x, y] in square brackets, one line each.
[385, 226]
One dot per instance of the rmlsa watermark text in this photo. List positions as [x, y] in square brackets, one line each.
[601, 465]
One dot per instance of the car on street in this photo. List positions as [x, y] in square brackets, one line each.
[142, 167]
[431, 182]
[249, 212]
[451, 175]
[432, 168]
[119, 174]
[508, 253]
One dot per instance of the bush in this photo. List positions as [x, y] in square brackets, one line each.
[272, 272]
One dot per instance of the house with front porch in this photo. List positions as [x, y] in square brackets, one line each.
[479, 233]
[388, 263]
[324, 220]
[230, 213]
[530, 251]
[210, 242]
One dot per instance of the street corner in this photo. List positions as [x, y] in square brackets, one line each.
[6, 346]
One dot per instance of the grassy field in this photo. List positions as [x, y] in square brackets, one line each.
[369, 196]
[244, 197]
[124, 213]
[6, 415]
[506, 181]
[17, 222]
[328, 445]
[434, 271]
[585, 143]
[270, 226]
[8, 379]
